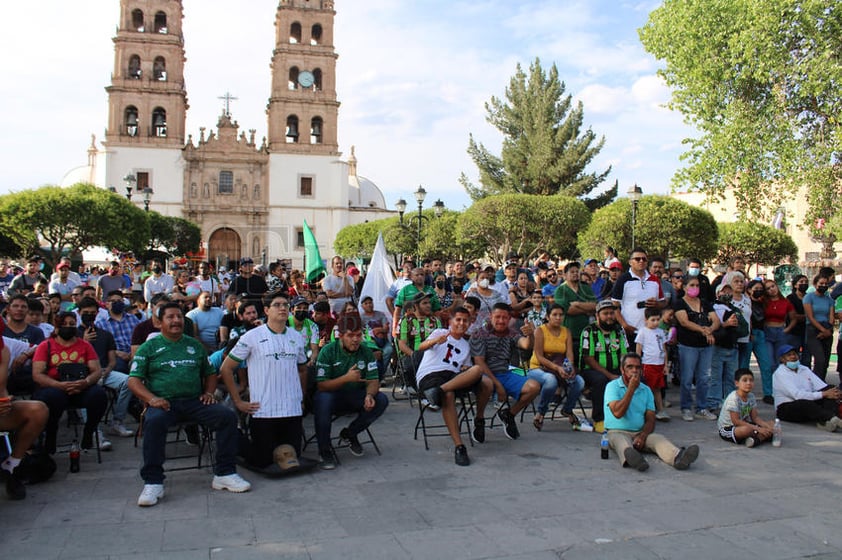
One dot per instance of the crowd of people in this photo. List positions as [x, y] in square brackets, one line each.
[248, 353]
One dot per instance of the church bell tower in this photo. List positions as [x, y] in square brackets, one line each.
[303, 110]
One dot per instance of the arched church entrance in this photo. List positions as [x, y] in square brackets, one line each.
[224, 248]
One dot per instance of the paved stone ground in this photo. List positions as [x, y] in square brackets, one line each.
[545, 496]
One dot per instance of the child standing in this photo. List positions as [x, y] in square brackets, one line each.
[651, 345]
[738, 420]
[537, 314]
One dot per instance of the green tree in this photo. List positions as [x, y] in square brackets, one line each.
[73, 218]
[759, 79]
[524, 223]
[663, 226]
[174, 235]
[545, 151]
[755, 243]
[358, 240]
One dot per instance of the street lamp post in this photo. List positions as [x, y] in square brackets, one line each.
[130, 181]
[420, 196]
[147, 197]
[634, 193]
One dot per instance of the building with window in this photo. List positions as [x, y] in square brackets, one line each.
[250, 198]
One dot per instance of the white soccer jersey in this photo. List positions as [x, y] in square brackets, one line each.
[273, 360]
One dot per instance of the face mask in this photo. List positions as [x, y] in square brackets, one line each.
[801, 288]
[66, 333]
[300, 315]
[41, 267]
[156, 269]
[693, 271]
[693, 292]
[483, 283]
[821, 289]
[118, 307]
[439, 285]
[793, 365]
[88, 318]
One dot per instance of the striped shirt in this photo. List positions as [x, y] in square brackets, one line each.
[121, 330]
[273, 360]
[606, 347]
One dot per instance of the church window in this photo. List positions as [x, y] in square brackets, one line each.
[159, 122]
[160, 22]
[295, 33]
[305, 187]
[293, 78]
[226, 182]
[131, 120]
[317, 79]
[292, 129]
[316, 34]
[135, 71]
[142, 181]
[316, 127]
[159, 69]
[299, 236]
[137, 20]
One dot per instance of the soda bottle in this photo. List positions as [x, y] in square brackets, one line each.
[603, 445]
[75, 454]
[566, 366]
[776, 434]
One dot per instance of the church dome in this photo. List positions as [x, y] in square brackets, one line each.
[370, 195]
[81, 174]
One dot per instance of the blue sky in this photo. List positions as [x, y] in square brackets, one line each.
[413, 77]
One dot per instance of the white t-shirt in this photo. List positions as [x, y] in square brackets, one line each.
[16, 348]
[652, 345]
[273, 360]
[451, 355]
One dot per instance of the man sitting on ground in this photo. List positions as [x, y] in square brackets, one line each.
[445, 369]
[801, 396]
[630, 421]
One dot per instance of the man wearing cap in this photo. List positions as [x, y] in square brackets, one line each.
[408, 292]
[247, 284]
[157, 283]
[591, 266]
[578, 302]
[63, 285]
[73, 276]
[25, 283]
[636, 290]
[277, 374]
[601, 345]
[346, 383]
[300, 320]
[801, 396]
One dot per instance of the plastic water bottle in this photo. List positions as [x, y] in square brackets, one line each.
[603, 445]
[566, 366]
[776, 433]
[75, 454]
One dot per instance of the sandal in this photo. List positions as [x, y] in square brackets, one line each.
[573, 419]
[538, 422]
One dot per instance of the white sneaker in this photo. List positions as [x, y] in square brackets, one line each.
[705, 414]
[120, 430]
[104, 442]
[231, 482]
[687, 415]
[662, 416]
[150, 495]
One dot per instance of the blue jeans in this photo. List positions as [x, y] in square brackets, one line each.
[119, 382]
[157, 421]
[775, 338]
[695, 367]
[723, 365]
[328, 403]
[764, 361]
[549, 384]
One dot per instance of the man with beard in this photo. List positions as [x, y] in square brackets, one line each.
[207, 319]
[157, 283]
[25, 283]
[602, 344]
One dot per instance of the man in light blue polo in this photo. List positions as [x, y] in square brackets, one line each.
[630, 421]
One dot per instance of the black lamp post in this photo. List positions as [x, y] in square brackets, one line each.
[147, 197]
[420, 195]
[634, 193]
[130, 181]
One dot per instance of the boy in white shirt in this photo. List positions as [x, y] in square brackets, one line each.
[651, 344]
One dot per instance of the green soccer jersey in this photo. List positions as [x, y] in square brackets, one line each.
[172, 370]
[334, 361]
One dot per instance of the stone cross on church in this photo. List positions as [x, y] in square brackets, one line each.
[228, 98]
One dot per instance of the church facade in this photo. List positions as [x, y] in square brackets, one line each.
[250, 198]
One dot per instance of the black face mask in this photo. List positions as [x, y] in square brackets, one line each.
[88, 318]
[66, 333]
[300, 314]
[439, 285]
[802, 288]
[821, 289]
[156, 269]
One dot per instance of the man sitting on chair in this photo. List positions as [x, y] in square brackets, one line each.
[346, 382]
[444, 369]
[171, 374]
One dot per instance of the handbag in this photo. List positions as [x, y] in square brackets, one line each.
[68, 371]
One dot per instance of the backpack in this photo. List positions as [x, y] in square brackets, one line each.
[743, 328]
[35, 468]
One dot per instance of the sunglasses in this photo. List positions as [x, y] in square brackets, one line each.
[640, 259]
[678, 277]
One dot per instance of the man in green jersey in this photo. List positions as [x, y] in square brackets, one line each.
[347, 383]
[172, 376]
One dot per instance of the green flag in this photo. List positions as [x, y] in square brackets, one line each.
[312, 259]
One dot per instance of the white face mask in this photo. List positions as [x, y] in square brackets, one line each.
[693, 271]
[483, 283]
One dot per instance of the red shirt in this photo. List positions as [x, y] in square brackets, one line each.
[776, 310]
[80, 352]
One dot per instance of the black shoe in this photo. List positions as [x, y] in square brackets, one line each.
[769, 399]
[327, 461]
[87, 439]
[433, 396]
[15, 489]
[478, 434]
[50, 444]
[353, 443]
[462, 456]
[191, 434]
[686, 456]
[509, 423]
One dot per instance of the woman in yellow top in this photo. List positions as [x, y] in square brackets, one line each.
[551, 363]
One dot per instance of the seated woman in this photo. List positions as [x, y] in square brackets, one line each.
[553, 344]
[67, 370]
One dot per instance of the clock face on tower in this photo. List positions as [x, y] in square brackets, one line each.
[306, 79]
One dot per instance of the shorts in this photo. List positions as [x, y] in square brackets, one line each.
[653, 376]
[512, 383]
[439, 378]
[727, 433]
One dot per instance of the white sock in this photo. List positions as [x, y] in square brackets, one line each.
[10, 464]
